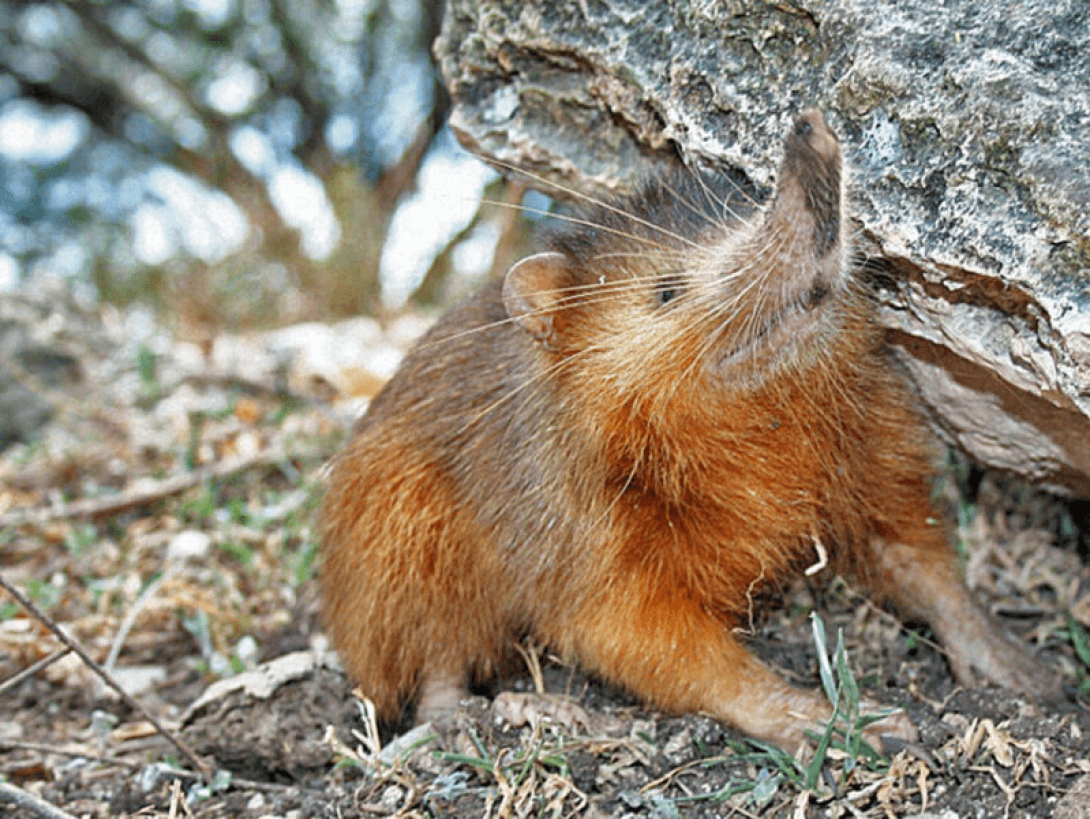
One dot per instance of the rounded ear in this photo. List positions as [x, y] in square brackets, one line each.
[533, 295]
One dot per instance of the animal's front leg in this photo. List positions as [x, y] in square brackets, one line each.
[670, 651]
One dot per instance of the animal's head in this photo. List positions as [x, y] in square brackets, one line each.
[688, 285]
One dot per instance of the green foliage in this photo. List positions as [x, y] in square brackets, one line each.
[776, 768]
[302, 562]
[767, 774]
[201, 507]
[541, 755]
[1080, 641]
[243, 554]
[45, 594]
[239, 511]
[79, 538]
[845, 729]
[912, 639]
[147, 367]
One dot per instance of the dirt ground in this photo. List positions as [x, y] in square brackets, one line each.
[163, 520]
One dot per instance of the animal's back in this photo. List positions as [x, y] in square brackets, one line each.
[409, 572]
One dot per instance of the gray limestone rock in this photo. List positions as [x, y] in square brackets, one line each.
[967, 126]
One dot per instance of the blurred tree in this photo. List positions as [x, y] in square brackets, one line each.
[240, 157]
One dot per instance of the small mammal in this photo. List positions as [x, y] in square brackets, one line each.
[670, 406]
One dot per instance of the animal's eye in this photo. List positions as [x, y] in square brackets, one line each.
[816, 295]
[667, 290]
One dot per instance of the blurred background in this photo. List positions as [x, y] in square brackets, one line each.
[237, 163]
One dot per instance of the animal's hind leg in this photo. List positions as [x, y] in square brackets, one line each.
[908, 560]
[412, 593]
[917, 572]
[465, 638]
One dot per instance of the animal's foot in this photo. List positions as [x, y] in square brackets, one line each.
[998, 659]
[981, 652]
[891, 732]
[808, 715]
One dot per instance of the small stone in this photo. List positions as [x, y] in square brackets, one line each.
[188, 545]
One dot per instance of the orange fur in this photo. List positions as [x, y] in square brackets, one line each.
[585, 454]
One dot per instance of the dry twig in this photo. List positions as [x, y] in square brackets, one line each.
[76, 753]
[25, 800]
[94, 508]
[31, 670]
[106, 677]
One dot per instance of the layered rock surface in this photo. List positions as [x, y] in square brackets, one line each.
[967, 126]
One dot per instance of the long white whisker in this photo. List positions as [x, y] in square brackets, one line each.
[604, 205]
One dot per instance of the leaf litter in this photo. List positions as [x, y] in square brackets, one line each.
[163, 519]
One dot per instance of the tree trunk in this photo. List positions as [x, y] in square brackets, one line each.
[967, 126]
